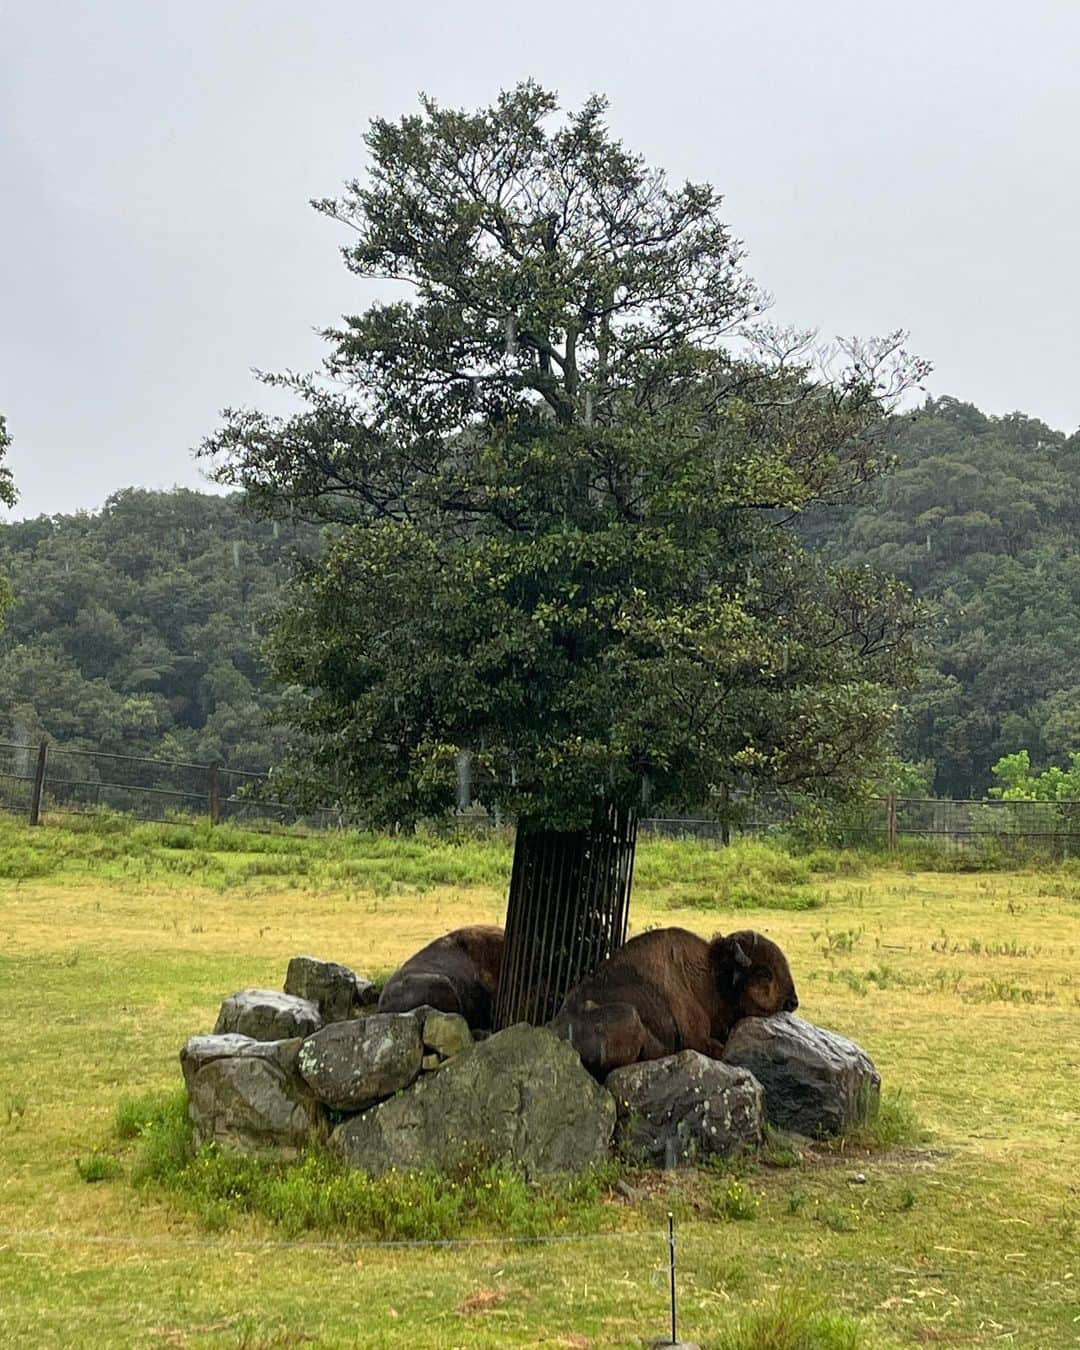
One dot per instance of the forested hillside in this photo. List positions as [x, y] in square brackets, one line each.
[137, 629]
[982, 518]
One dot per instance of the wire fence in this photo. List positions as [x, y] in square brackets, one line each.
[47, 779]
[977, 828]
[44, 780]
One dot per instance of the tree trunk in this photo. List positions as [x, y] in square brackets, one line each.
[568, 909]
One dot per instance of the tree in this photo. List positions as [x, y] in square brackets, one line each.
[1017, 783]
[561, 470]
[8, 496]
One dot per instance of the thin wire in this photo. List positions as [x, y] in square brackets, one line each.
[658, 1276]
[158, 1240]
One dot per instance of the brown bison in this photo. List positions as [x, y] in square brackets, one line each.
[670, 990]
[456, 973]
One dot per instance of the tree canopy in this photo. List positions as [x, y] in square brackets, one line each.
[562, 468]
[1017, 783]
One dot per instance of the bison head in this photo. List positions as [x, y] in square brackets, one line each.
[756, 973]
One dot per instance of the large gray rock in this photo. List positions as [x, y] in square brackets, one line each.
[351, 1065]
[520, 1096]
[686, 1108]
[249, 1103]
[267, 1015]
[815, 1081]
[337, 991]
[202, 1050]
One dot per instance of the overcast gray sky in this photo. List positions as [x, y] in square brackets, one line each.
[887, 164]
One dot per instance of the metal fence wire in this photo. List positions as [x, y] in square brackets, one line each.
[974, 826]
[50, 779]
[17, 764]
[58, 780]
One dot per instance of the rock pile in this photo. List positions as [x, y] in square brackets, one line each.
[415, 1089]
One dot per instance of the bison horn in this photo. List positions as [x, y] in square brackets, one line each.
[741, 958]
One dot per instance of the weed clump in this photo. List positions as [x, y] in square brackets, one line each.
[98, 1167]
[734, 1201]
[134, 1114]
[891, 1122]
[791, 1323]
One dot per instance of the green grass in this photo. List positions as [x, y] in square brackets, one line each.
[110, 847]
[952, 1218]
[748, 875]
[321, 1196]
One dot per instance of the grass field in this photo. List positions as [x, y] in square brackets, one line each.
[118, 942]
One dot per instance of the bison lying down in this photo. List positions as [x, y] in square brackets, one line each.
[456, 973]
[670, 990]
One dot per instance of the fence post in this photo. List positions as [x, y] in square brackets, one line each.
[214, 785]
[725, 819]
[39, 783]
[891, 825]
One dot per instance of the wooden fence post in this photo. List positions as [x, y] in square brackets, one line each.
[214, 793]
[891, 821]
[39, 783]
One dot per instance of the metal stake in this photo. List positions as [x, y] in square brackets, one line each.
[671, 1246]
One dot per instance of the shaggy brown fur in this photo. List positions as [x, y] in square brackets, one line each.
[458, 972]
[670, 990]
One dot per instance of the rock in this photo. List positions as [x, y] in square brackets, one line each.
[249, 1103]
[267, 1015]
[202, 1050]
[352, 1065]
[430, 1062]
[520, 1096]
[815, 1081]
[337, 991]
[445, 1034]
[685, 1108]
